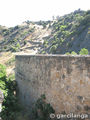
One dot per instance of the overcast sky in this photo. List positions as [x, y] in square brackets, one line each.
[13, 12]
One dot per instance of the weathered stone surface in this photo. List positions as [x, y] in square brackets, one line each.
[65, 80]
[1, 100]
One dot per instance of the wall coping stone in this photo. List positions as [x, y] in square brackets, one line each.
[51, 55]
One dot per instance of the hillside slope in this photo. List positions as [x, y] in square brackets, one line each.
[68, 33]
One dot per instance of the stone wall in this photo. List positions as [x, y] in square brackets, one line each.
[1, 100]
[65, 80]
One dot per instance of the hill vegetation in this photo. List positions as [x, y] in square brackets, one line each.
[70, 33]
[64, 34]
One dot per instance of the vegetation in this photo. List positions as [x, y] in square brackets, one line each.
[70, 35]
[10, 105]
[10, 62]
[14, 38]
[14, 49]
[72, 53]
[42, 110]
[69, 32]
[25, 42]
[83, 51]
[53, 48]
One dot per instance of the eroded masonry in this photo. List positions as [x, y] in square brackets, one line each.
[65, 80]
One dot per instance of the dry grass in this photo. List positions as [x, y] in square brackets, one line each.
[7, 59]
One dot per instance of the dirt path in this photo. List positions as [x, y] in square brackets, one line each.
[36, 39]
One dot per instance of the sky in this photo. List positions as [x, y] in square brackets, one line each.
[14, 12]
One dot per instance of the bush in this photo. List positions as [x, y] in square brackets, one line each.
[2, 77]
[10, 104]
[67, 53]
[83, 51]
[63, 27]
[53, 48]
[42, 110]
[45, 44]
[18, 45]
[86, 20]
[25, 42]
[14, 49]
[73, 53]
[43, 52]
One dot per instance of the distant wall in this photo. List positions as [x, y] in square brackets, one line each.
[65, 80]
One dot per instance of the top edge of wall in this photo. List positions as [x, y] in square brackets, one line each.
[47, 55]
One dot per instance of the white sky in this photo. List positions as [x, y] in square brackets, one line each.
[13, 12]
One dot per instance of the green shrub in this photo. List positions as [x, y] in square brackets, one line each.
[45, 44]
[73, 53]
[44, 25]
[2, 71]
[86, 20]
[67, 53]
[83, 51]
[67, 33]
[5, 47]
[18, 45]
[25, 42]
[42, 109]
[63, 27]
[43, 52]
[24, 33]
[53, 48]
[61, 41]
[10, 104]
[2, 77]
[13, 49]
